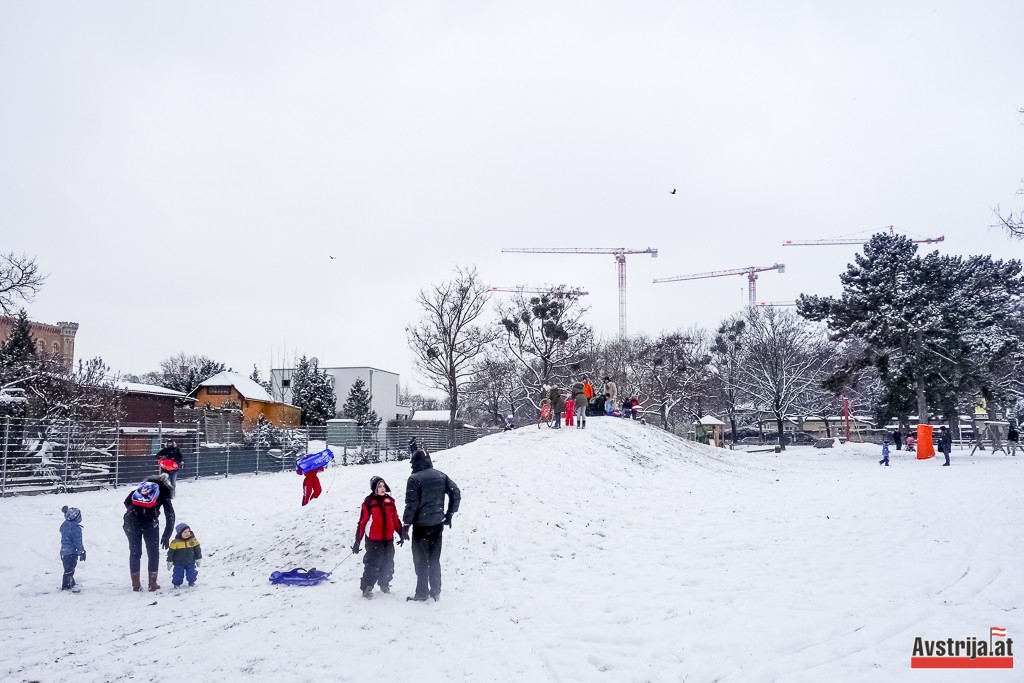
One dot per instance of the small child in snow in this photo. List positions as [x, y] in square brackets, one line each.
[381, 514]
[71, 548]
[310, 484]
[183, 556]
[885, 453]
[510, 423]
[911, 442]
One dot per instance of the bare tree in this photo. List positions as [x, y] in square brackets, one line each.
[546, 336]
[783, 359]
[670, 368]
[495, 389]
[448, 338]
[1012, 222]
[19, 279]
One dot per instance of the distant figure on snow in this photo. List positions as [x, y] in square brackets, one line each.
[183, 556]
[557, 405]
[71, 547]
[611, 391]
[425, 513]
[378, 520]
[1012, 438]
[579, 397]
[911, 442]
[166, 456]
[510, 423]
[885, 453]
[897, 439]
[945, 443]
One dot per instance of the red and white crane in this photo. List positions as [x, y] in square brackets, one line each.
[750, 271]
[855, 240]
[619, 253]
[553, 291]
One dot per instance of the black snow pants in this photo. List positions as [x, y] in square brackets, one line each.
[70, 562]
[426, 558]
[378, 564]
[135, 538]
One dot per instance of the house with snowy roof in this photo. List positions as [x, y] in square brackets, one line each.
[232, 390]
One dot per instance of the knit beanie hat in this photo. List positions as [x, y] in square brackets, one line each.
[71, 514]
[181, 527]
[373, 484]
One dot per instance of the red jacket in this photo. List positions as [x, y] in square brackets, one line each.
[382, 516]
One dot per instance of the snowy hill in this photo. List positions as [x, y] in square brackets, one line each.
[615, 553]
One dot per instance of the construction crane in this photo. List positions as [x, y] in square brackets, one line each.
[854, 240]
[620, 261]
[553, 291]
[750, 271]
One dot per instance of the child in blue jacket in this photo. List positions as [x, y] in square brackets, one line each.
[71, 548]
[885, 453]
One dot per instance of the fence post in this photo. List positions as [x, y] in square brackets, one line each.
[117, 454]
[67, 455]
[227, 457]
[7, 436]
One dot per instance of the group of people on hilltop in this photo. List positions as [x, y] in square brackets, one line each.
[583, 401]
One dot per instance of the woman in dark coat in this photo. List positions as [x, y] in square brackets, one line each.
[142, 523]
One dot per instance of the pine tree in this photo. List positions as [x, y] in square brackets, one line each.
[255, 377]
[357, 406]
[313, 393]
[18, 358]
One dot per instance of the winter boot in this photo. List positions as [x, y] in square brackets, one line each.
[416, 598]
[152, 581]
[136, 584]
[385, 588]
[368, 593]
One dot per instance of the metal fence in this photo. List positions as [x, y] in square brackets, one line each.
[56, 457]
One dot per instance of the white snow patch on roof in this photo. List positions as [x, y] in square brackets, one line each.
[431, 415]
[245, 386]
[139, 388]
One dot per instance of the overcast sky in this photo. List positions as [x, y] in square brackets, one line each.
[185, 170]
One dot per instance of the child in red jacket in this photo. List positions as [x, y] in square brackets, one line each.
[310, 485]
[380, 512]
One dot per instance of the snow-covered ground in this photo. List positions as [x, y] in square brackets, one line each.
[617, 553]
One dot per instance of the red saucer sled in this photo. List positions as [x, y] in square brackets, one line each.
[168, 465]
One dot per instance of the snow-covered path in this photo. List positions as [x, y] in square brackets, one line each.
[616, 553]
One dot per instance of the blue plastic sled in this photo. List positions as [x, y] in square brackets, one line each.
[314, 461]
[299, 577]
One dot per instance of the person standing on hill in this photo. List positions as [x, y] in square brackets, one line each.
[379, 522]
[1012, 438]
[897, 439]
[611, 391]
[557, 405]
[425, 513]
[588, 394]
[579, 395]
[142, 523]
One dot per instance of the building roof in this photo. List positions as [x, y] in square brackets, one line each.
[245, 386]
[341, 367]
[153, 389]
[708, 420]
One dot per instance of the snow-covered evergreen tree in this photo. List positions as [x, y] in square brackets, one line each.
[255, 377]
[313, 393]
[18, 353]
[357, 405]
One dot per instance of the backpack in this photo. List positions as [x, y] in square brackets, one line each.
[146, 495]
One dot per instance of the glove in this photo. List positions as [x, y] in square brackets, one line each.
[448, 519]
[401, 541]
[170, 566]
[82, 556]
[355, 548]
[197, 564]
[404, 533]
[165, 543]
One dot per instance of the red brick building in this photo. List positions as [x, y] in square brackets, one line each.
[57, 340]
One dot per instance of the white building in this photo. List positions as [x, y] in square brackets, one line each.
[382, 385]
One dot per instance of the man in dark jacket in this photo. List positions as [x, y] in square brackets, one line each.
[142, 523]
[170, 452]
[945, 443]
[1012, 439]
[557, 405]
[425, 512]
[897, 439]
